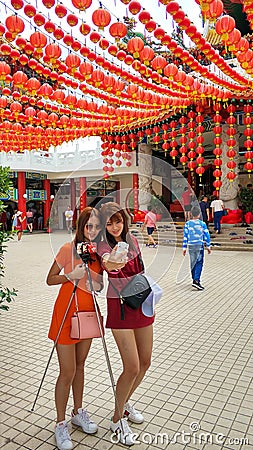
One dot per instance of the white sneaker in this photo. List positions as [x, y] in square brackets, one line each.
[123, 432]
[62, 437]
[81, 419]
[132, 414]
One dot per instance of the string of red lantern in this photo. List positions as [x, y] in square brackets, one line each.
[191, 144]
[248, 143]
[217, 150]
[231, 142]
[173, 142]
[165, 137]
[200, 140]
[183, 140]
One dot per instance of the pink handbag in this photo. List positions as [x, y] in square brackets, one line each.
[84, 324]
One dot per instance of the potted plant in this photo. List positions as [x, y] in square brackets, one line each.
[246, 200]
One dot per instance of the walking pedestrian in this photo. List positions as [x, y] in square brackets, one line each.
[196, 235]
[69, 218]
[29, 220]
[217, 206]
[17, 223]
[150, 223]
[133, 334]
[72, 353]
[204, 208]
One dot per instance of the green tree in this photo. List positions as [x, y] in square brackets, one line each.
[6, 294]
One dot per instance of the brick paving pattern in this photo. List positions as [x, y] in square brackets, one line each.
[198, 393]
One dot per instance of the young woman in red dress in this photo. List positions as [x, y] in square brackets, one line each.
[134, 334]
[71, 353]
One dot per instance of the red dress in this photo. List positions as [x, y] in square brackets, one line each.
[66, 260]
[134, 318]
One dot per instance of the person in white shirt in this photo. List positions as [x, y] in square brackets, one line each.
[217, 206]
[69, 218]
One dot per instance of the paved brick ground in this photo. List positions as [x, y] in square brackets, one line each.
[198, 391]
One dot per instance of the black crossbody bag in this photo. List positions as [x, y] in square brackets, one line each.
[134, 293]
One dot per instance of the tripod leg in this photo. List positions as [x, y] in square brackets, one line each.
[103, 339]
[54, 346]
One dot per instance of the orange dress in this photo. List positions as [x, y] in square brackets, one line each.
[66, 261]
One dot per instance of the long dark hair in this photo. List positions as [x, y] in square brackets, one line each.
[111, 211]
[82, 220]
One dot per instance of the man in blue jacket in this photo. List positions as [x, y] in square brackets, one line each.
[196, 235]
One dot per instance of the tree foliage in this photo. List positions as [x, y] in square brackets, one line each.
[6, 294]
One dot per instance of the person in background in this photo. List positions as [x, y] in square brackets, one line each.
[204, 208]
[69, 218]
[17, 223]
[133, 333]
[186, 202]
[29, 220]
[150, 223]
[196, 235]
[72, 353]
[217, 206]
[40, 221]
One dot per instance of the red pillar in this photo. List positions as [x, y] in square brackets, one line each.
[73, 199]
[83, 193]
[136, 192]
[46, 185]
[21, 192]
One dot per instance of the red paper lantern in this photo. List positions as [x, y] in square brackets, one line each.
[14, 24]
[224, 26]
[101, 18]
[60, 10]
[48, 3]
[118, 30]
[39, 20]
[135, 46]
[29, 10]
[82, 5]
[72, 20]
[84, 28]
[134, 7]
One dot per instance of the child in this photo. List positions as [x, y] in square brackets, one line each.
[195, 235]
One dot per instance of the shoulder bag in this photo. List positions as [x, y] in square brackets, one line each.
[84, 324]
[134, 293]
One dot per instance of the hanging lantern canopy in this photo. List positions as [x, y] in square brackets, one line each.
[101, 18]
[217, 141]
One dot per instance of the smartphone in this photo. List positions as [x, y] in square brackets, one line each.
[122, 247]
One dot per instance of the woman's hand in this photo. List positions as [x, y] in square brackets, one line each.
[114, 260]
[77, 273]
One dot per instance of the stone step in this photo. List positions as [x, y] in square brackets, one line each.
[232, 237]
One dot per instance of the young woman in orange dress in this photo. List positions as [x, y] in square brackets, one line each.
[66, 269]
